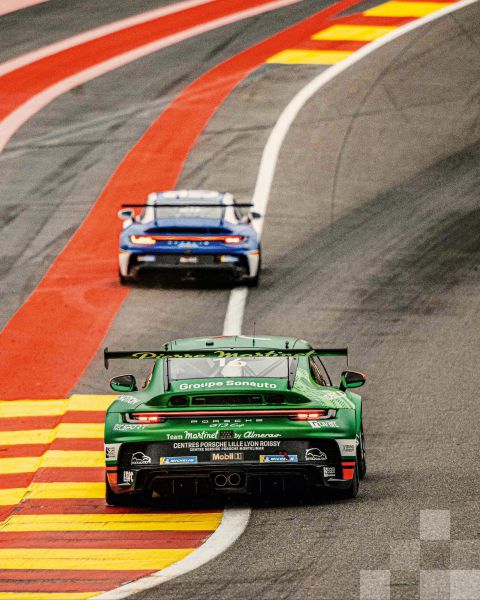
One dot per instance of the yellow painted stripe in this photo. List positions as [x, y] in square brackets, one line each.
[90, 402]
[19, 465]
[46, 436]
[80, 430]
[46, 491]
[73, 458]
[33, 408]
[356, 33]
[82, 559]
[11, 496]
[49, 408]
[53, 458]
[405, 9]
[309, 57]
[48, 595]
[113, 522]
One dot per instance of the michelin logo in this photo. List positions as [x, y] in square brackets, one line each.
[178, 460]
[276, 458]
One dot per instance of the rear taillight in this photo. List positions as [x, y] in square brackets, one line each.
[145, 418]
[142, 240]
[314, 415]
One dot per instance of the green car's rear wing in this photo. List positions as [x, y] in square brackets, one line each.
[220, 353]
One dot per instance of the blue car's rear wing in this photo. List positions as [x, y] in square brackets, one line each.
[220, 353]
[188, 204]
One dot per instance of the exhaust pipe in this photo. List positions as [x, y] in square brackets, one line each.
[234, 479]
[220, 480]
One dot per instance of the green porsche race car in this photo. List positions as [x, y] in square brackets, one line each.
[233, 414]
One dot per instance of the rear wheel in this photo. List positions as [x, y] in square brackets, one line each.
[123, 280]
[361, 456]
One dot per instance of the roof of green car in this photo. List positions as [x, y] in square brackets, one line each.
[238, 341]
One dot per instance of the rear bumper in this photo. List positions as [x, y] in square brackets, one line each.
[250, 478]
[238, 266]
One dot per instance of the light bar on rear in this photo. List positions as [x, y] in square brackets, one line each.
[293, 415]
[150, 240]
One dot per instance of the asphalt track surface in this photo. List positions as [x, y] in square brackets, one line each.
[371, 238]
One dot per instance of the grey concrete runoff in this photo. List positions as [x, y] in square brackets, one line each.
[371, 239]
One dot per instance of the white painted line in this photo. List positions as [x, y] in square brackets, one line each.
[275, 141]
[230, 529]
[24, 112]
[9, 6]
[93, 34]
[235, 310]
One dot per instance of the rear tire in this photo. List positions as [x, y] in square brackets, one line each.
[361, 456]
[253, 281]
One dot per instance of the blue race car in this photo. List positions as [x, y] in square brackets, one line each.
[191, 231]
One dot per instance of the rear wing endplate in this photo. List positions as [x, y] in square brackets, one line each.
[219, 353]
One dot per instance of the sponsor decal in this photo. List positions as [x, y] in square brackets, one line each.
[199, 435]
[228, 383]
[226, 446]
[111, 451]
[329, 471]
[139, 458]
[229, 424]
[322, 424]
[347, 447]
[127, 427]
[128, 399]
[218, 354]
[332, 395]
[253, 434]
[127, 477]
[219, 456]
[315, 454]
[216, 434]
[178, 460]
[276, 458]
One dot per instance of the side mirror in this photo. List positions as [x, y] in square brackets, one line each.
[123, 383]
[126, 214]
[352, 379]
[255, 215]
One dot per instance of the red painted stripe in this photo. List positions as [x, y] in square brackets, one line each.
[73, 416]
[20, 85]
[87, 299]
[80, 416]
[77, 444]
[104, 539]
[331, 45]
[26, 423]
[54, 474]
[64, 581]
[84, 506]
[15, 480]
[23, 450]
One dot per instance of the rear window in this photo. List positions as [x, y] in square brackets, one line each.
[207, 368]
